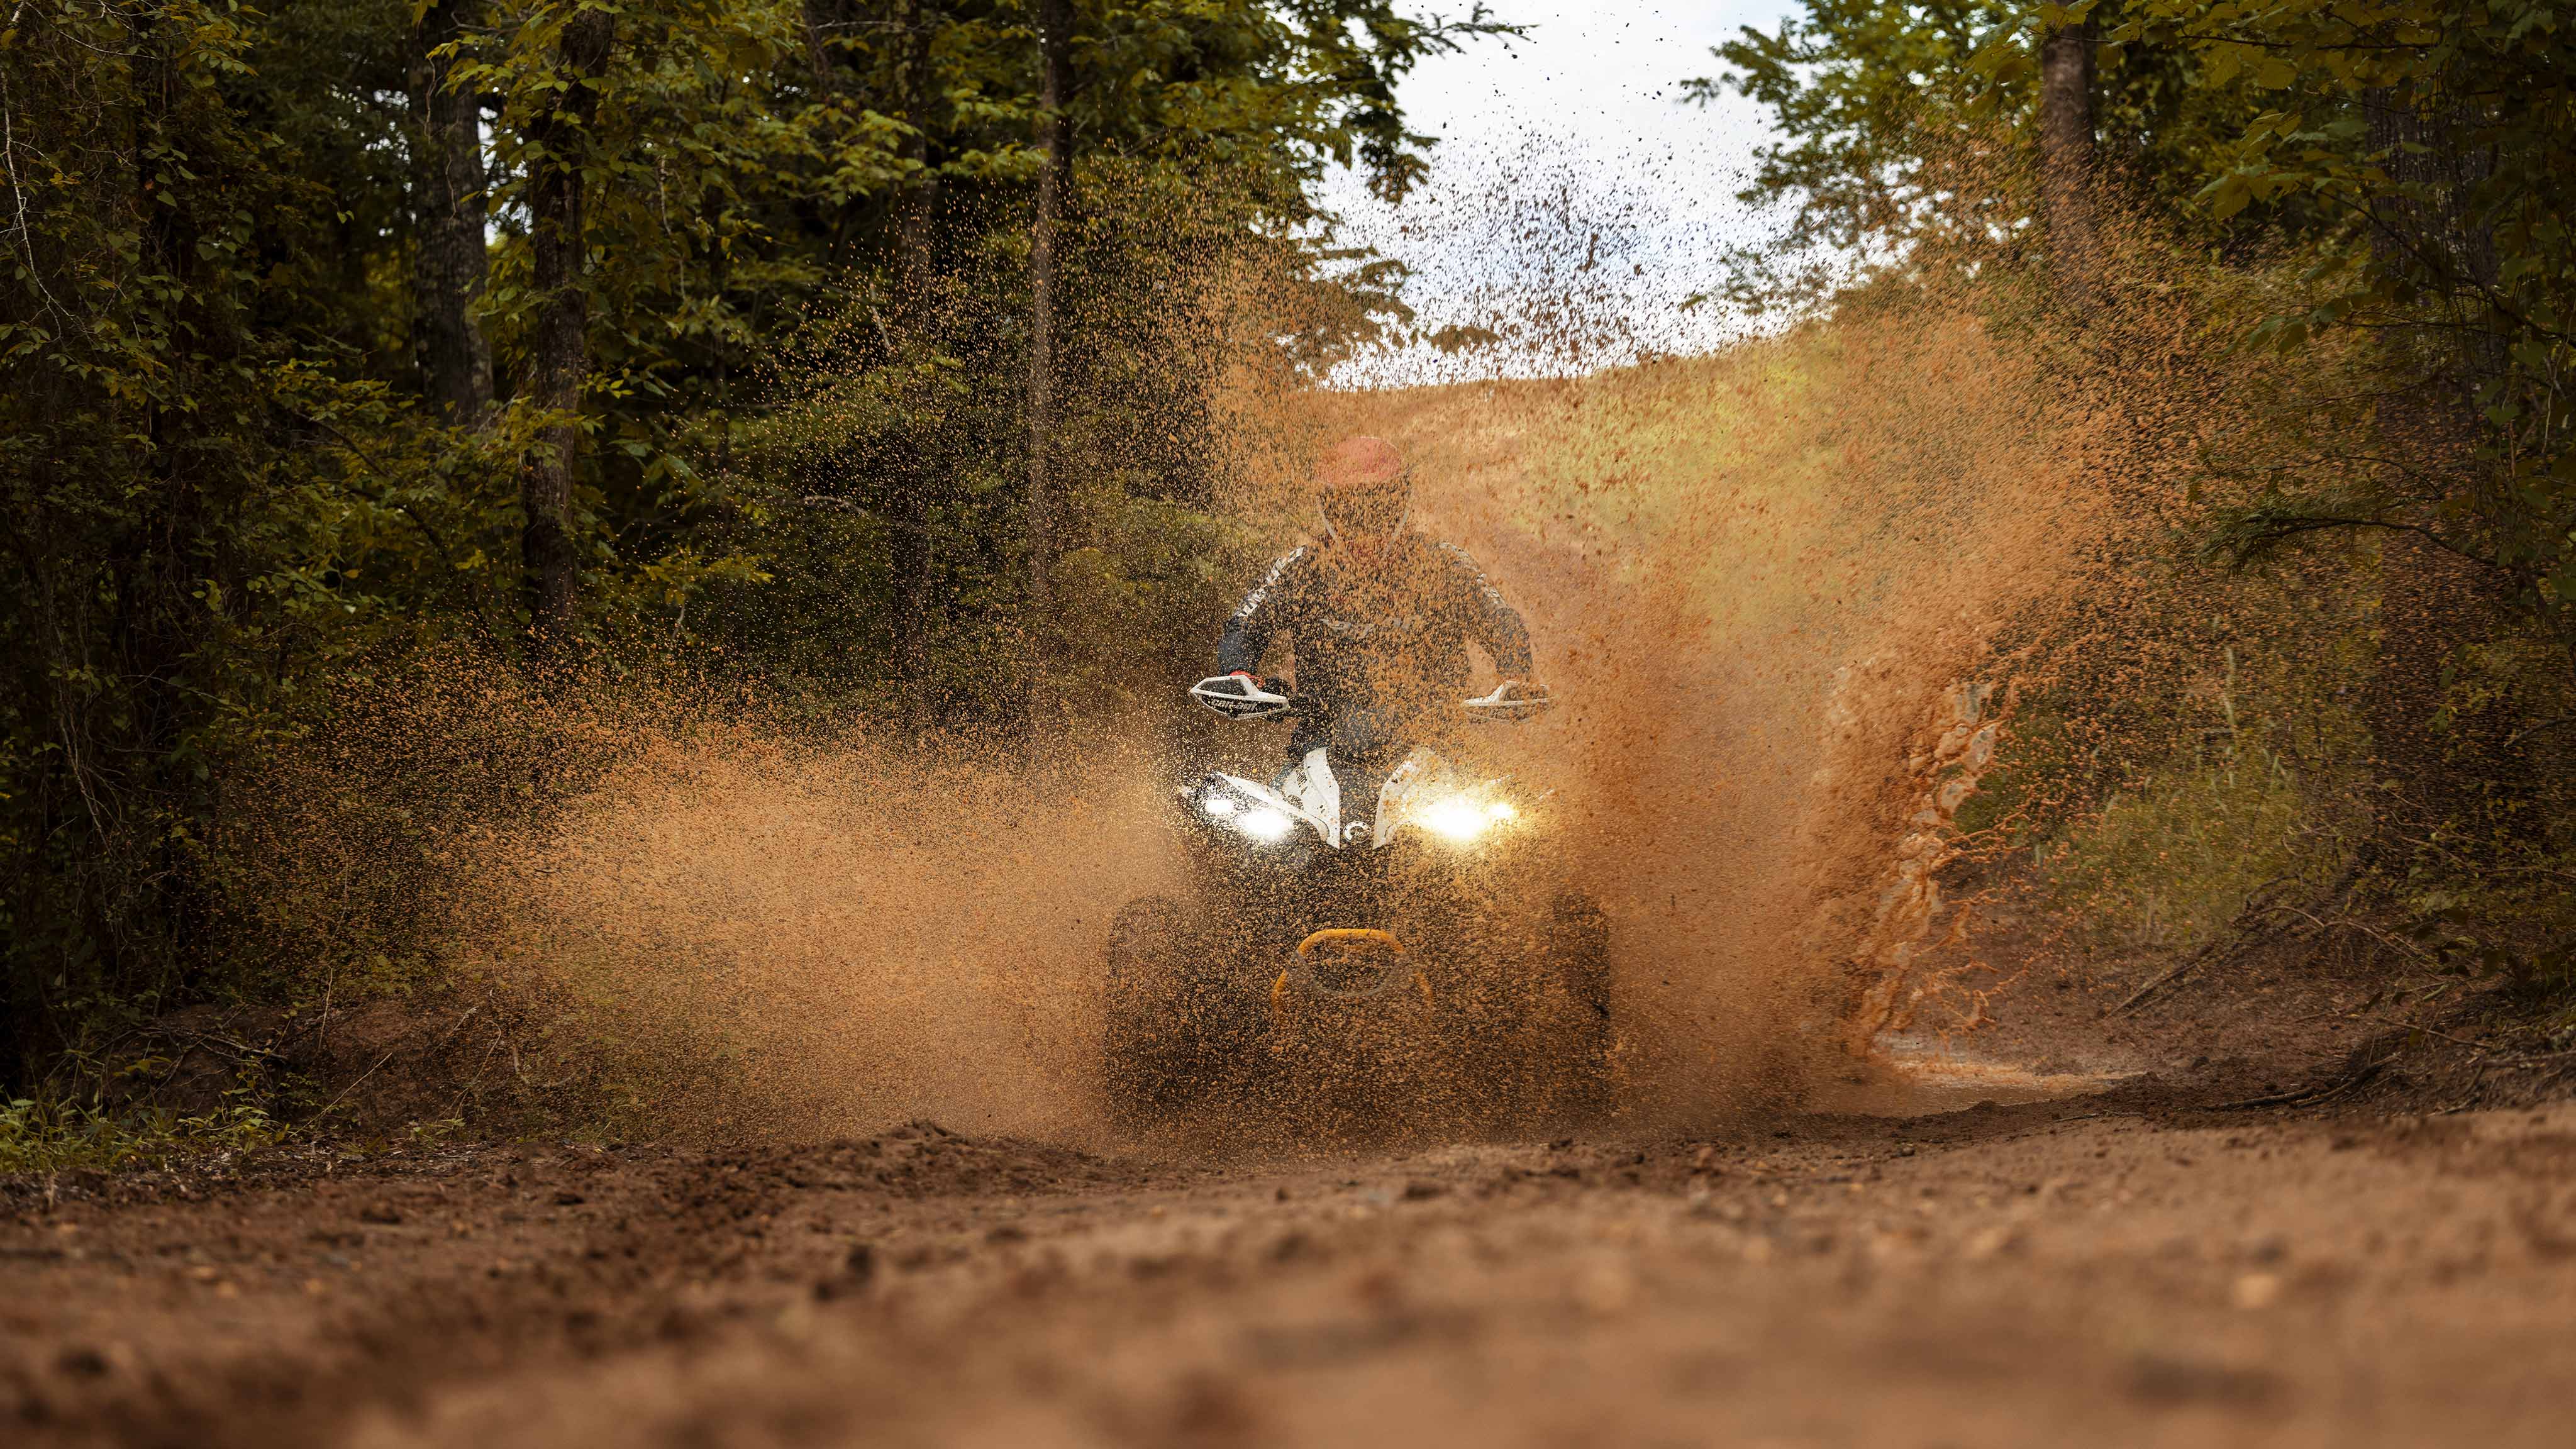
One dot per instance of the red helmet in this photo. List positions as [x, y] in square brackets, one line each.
[1362, 484]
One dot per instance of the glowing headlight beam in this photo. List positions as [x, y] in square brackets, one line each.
[1453, 819]
[1219, 806]
[1264, 824]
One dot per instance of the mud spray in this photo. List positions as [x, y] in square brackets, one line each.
[1767, 584]
[805, 939]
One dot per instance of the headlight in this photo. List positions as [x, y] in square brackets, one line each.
[1252, 819]
[1263, 824]
[1461, 819]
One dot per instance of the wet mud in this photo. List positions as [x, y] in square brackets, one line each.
[2124, 1266]
[837, 1002]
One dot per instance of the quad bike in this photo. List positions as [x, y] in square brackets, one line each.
[1378, 938]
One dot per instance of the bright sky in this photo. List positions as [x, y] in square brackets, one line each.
[1568, 148]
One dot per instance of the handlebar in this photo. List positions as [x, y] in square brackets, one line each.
[1242, 699]
[1511, 700]
[1238, 698]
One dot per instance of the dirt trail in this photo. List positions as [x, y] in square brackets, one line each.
[2116, 1268]
[2072, 1243]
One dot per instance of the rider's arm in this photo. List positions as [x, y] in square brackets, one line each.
[1249, 630]
[1490, 620]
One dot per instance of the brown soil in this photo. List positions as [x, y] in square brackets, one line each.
[2125, 1266]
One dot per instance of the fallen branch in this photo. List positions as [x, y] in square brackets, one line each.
[2234, 943]
[2167, 977]
[2365, 1062]
[443, 1037]
[2411, 1027]
[2306, 1096]
[2351, 924]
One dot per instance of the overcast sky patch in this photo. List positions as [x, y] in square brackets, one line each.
[1576, 205]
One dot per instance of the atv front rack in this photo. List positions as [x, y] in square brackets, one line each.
[1335, 937]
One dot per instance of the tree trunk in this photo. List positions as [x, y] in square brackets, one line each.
[817, 54]
[2066, 163]
[2449, 769]
[562, 346]
[2423, 226]
[449, 263]
[2458, 779]
[917, 476]
[1055, 140]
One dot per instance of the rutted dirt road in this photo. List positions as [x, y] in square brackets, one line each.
[2128, 1267]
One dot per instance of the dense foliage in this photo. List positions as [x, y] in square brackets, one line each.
[2409, 159]
[302, 300]
[2369, 200]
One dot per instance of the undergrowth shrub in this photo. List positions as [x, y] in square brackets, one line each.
[58, 1135]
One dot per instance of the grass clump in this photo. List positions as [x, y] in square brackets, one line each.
[39, 1136]
[2252, 795]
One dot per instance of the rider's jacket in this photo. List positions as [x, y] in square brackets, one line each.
[1384, 629]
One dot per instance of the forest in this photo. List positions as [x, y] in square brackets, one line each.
[2310, 266]
[874, 358]
[1930, 797]
[800, 342]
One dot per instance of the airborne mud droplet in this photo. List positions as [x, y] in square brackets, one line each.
[1784, 594]
[1757, 578]
[1759, 583]
[824, 939]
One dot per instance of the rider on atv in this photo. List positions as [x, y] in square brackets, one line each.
[1389, 927]
[1382, 615]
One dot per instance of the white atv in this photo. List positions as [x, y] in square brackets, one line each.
[1378, 938]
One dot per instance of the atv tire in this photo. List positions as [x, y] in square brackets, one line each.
[1579, 945]
[1162, 1051]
